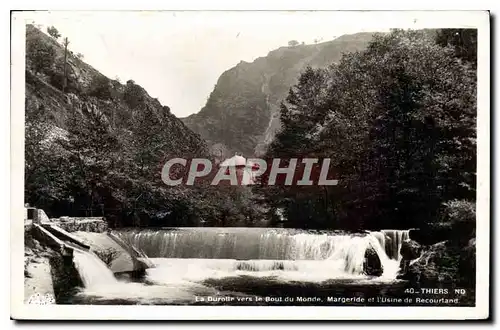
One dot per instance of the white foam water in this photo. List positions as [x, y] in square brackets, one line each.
[92, 270]
[343, 254]
[100, 284]
[185, 258]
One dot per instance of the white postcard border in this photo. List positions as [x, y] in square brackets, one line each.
[399, 19]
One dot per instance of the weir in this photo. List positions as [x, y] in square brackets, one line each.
[392, 240]
[185, 260]
[195, 254]
[254, 249]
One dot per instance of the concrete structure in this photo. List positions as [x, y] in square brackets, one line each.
[69, 224]
[39, 216]
[65, 234]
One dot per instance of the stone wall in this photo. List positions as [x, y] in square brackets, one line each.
[39, 216]
[69, 224]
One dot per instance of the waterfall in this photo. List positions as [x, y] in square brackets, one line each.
[270, 249]
[395, 240]
[92, 270]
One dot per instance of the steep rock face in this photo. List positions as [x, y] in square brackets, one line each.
[410, 250]
[87, 90]
[242, 112]
[443, 262]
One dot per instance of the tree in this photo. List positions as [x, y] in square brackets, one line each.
[93, 154]
[463, 41]
[65, 73]
[53, 32]
[398, 122]
[43, 165]
[101, 87]
[293, 43]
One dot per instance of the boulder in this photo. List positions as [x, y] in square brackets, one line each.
[372, 265]
[469, 253]
[410, 249]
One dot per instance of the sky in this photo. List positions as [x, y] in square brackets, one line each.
[178, 56]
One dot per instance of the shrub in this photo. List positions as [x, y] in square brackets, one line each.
[53, 32]
[133, 94]
[461, 215]
[40, 55]
[56, 78]
[101, 88]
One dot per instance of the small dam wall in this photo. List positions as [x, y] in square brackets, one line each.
[73, 224]
[69, 224]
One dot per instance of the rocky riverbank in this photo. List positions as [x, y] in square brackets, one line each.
[441, 264]
[443, 253]
[447, 264]
[37, 273]
[49, 277]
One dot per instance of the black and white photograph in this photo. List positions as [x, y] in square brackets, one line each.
[205, 160]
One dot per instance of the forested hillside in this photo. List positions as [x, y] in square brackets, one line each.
[96, 147]
[398, 121]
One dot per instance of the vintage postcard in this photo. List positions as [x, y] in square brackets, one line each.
[251, 165]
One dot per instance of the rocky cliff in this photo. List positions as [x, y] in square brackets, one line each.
[87, 90]
[242, 112]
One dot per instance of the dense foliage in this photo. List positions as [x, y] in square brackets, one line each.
[463, 41]
[40, 56]
[53, 32]
[398, 121]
